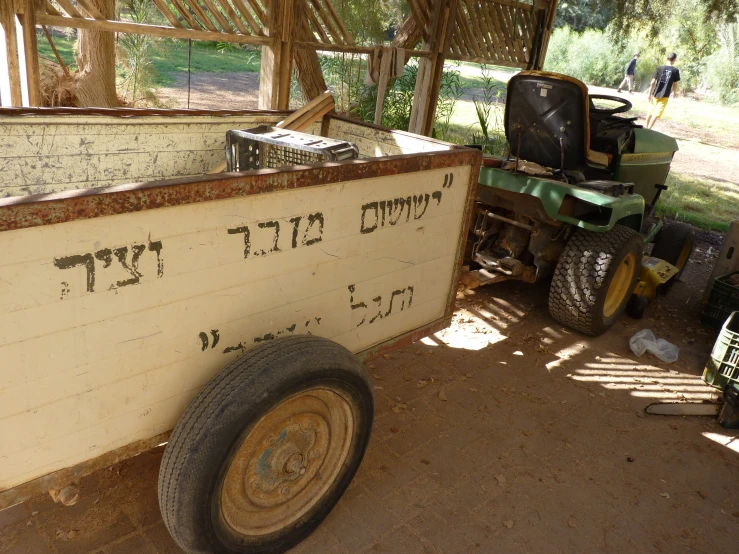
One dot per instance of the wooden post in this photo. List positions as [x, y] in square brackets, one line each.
[551, 7]
[430, 70]
[30, 46]
[276, 70]
[10, 77]
[382, 83]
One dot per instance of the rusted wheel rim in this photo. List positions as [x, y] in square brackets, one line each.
[620, 285]
[287, 462]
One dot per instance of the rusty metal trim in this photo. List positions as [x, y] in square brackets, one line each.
[69, 475]
[21, 212]
[133, 112]
[405, 339]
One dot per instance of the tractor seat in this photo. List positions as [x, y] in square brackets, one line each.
[547, 121]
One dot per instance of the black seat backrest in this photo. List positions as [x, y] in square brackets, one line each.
[546, 114]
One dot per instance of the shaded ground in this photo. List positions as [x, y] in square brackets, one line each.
[504, 433]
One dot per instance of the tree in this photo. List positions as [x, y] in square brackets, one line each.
[653, 15]
[580, 15]
[95, 78]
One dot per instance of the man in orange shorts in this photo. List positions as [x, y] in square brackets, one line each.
[664, 81]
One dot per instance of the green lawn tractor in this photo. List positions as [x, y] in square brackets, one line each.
[574, 200]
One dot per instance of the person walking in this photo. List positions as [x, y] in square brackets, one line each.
[664, 82]
[629, 76]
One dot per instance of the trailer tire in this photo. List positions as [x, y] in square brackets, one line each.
[267, 448]
[594, 278]
[674, 244]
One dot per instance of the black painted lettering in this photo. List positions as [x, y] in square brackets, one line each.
[85, 260]
[247, 240]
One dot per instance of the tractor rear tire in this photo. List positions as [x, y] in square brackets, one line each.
[674, 244]
[594, 279]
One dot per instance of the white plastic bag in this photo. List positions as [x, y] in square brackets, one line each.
[645, 341]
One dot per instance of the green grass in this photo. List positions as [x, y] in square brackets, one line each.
[170, 57]
[703, 203]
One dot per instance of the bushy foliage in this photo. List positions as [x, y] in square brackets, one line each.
[587, 56]
[722, 67]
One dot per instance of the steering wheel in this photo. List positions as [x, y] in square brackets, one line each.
[624, 107]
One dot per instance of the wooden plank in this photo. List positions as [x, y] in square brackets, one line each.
[499, 23]
[113, 385]
[502, 63]
[28, 20]
[315, 25]
[51, 9]
[90, 8]
[353, 48]
[233, 17]
[347, 39]
[474, 16]
[67, 6]
[185, 13]
[312, 107]
[495, 39]
[246, 14]
[382, 83]
[325, 19]
[166, 12]
[463, 24]
[257, 9]
[12, 78]
[215, 12]
[142, 29]
[512, 32]
[512, 4]
[202, 16]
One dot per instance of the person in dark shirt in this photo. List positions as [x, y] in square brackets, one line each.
[664, 82]
[629, 76]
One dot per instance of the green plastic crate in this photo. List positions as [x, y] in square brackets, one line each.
[722, 300]
[723, 366]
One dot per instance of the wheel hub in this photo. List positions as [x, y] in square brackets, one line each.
[286, 462]
[275, 475]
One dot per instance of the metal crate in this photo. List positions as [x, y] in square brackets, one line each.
[270, 147]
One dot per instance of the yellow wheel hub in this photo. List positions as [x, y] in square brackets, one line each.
[620, 286]
[684, 255]
[287, 462]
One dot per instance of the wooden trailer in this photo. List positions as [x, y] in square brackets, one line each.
[139, 295]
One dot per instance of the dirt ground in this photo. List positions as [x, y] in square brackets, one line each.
[504, 433]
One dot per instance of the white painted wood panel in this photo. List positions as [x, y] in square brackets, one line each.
[88, 368]
[39, 155]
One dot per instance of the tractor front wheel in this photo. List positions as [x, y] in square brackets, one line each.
[594, 279]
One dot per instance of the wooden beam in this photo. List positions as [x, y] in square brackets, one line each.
[258, 11]
[11, 84]
[166, 12]
[246, 14]
[354, 48]
[444, 33]
[90, 8]
[233, 17]
[215, 12]
[276, 69]
[187, 16]
[142, 29]
[385, 62]
[202, 16]
[30, 45]
[67, 6]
